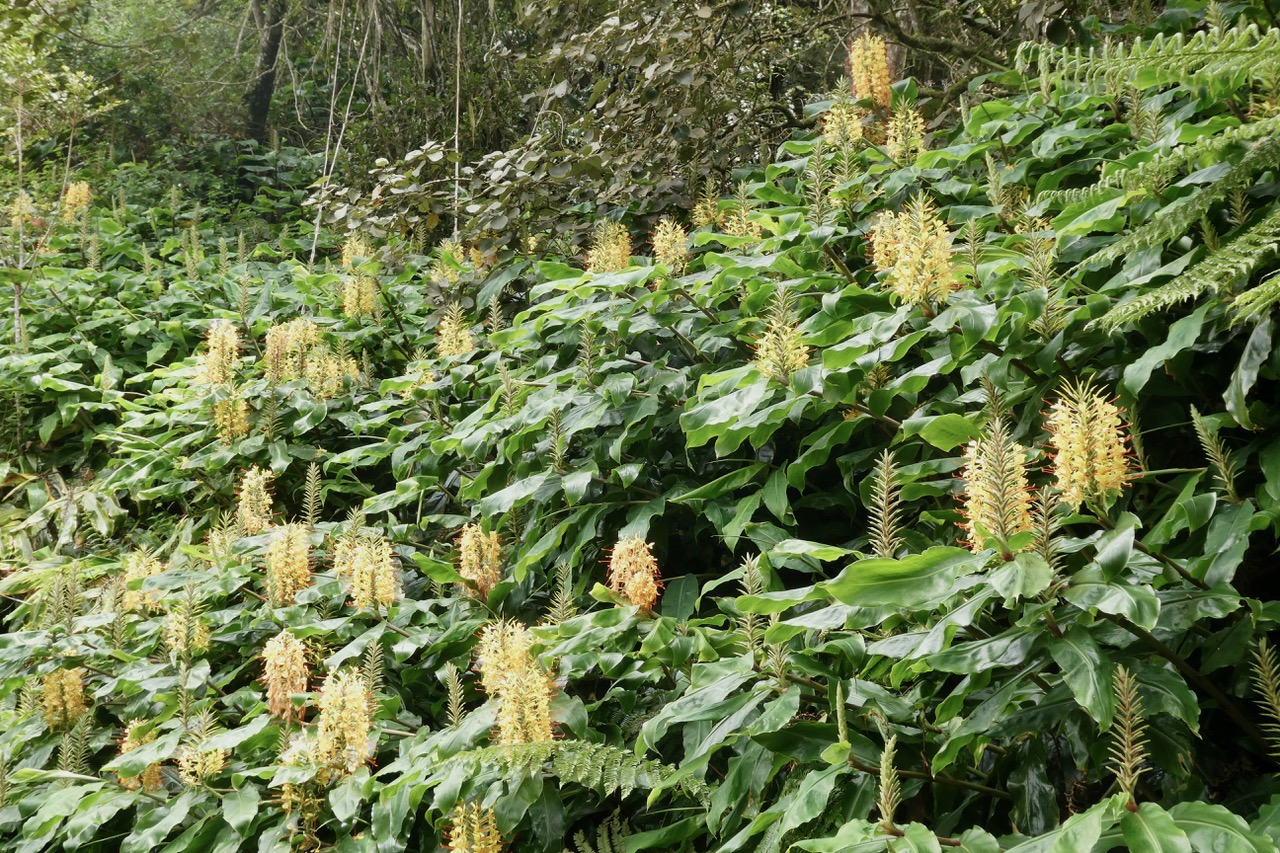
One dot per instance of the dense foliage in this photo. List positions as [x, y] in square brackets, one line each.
[921, 493]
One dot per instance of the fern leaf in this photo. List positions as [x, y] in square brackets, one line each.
[1233, 262]
[1176, 219]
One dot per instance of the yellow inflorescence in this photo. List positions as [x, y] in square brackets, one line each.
[185, 633]
[346, 722]
[254, 508]
[480, 559]
[706, 211]
[356, 246]
[359, 295]
[740, 224]
[442, 270]
[138, 566]
[453, 335]
[288, 564]
[285, 673]
[842, 125]
[367, 561]
[221, 355]
[287, 348]
[149, 779]
[780, 351]
[326, 372]
[610, 247]
[76, 199]
[231, 418]
[869, 70]
[1088, 441]
[671, 246]
[905, 138]
[22, 210]
[509, 672]
[913, 249]
[997, 497]
[197, 765]
[62, 693]
[634, 573]
[475, 830]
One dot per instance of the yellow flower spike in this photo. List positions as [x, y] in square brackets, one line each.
[285, 673]
[185, 633]
[509, 673]
[780, 351]
[905, 138]
[671, 246]
[197, 765]
[149, 779]
[480, 559]
[22, 210]
[842, 124]
[474, 830]
[356, 246]
[253, 510]
[288, 564]
[912, 249]
[221, 355]
[869, 70]
[443, 271]
[610, 247]
[997, 497]
[62, 693]
[367, 561]
[138, 566]
[359, 295]
[453, 335]
[1090, 461]
[76, 198]
[630, 563]
[231, 419]
[345, 726]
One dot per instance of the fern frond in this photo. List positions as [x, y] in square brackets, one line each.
[1233, 262]
[1266, 681]
[1176, 219]
[886, 524]
[1255, 303]
[1219, 456]
[1214, 54]
[1128, 747]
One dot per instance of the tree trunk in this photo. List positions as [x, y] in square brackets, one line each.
[257, 100]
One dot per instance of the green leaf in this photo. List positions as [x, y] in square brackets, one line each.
[1182, 334]
[920, 580]
[1087, 672]
[1214, 828]
[944, 432]
[1256, 351]
[1151, 830]
[1078, 833]
[240, 807]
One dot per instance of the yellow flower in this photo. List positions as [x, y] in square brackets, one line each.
[22, 210]
[610, 247]
[288, 564]
[706, 211]
[356, 246]
[780, 351]
[446, 268]
[138, 566]
[76, 198]
[671, 246]
[287, 346]
[326, 372]
[185, 633]
[869, 70]
[913, 249]
[62, 693]
[360, 296]
[453, 335]
[842, 125]
[1088, 441]
[905, 138]
[509, 673]
[149, 779]
[345, 727]
[475, 830]
[367, 561]
[254, 508]
[480, 559]
[740, 224]
[197, 765]
[285, 673]
[997, 498]
[221, 356]
[631, 562]
[231, 419]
